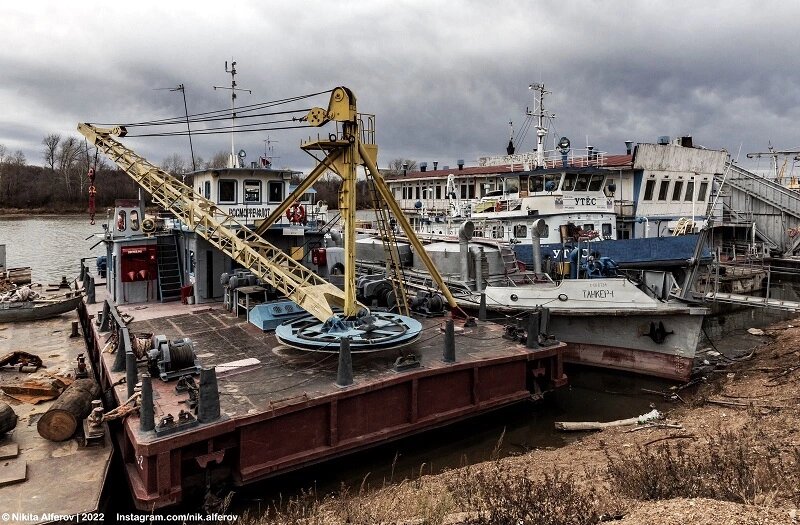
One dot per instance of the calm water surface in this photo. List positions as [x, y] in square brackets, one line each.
[51, 245]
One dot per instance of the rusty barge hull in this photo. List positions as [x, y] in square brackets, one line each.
[286, 412]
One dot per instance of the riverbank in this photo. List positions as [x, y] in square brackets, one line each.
[728, 452]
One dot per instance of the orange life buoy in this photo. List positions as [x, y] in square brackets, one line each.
[296, 213]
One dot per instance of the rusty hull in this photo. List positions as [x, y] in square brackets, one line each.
[287, 412]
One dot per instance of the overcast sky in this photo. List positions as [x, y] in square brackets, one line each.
[443, 78]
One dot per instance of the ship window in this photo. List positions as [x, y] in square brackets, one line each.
[588, 227]
[596, 182]
[551, 181]
[275, 191]
[648, 190]
[569, 182]
[512, 186]
[701, 195]
[405, 192]
[416, 192]
[252, 191]
[520, 231]
[207, 186]
[134, 220]
[227, 191]
[662, 190]
[582, 184]
[606, 230]
[677, 190]
[536, 183]
[689, 191]
[121, 220]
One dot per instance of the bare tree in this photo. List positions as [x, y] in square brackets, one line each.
[174, 165]
[219, 160]
[69, 154]
[399, 165]
[50, 143]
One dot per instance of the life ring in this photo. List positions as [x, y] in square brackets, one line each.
[296, 213]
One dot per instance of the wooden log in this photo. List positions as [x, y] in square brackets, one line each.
[8, 418]
[595, 425]
[66, 413]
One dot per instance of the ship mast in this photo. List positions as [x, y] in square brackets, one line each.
[541, 131]
[232, 159]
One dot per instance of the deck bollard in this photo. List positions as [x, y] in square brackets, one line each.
[344, 374]
[131, 371]
[482, 308]
[105, 319]
[533, 330]
[208, 399]
[147, 420]
[90, 295]
[74, 332]
[119, 359]
[449, 355]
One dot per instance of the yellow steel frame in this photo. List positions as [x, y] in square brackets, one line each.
[267, 262]
[345, 151]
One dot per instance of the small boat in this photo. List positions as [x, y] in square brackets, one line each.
[37, 309]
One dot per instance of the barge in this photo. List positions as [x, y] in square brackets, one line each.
[281, 409]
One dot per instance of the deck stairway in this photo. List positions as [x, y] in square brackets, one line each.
[169, 269]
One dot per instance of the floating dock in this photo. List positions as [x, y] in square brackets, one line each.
[42, 481]
[281, 409]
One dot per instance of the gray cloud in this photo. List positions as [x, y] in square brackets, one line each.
[443, 79]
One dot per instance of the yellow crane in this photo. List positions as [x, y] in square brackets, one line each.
[350, 146]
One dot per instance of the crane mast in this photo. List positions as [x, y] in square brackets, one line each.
[347, 149]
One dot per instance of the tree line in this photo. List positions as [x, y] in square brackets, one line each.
[61, 184]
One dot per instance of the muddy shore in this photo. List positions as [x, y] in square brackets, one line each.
[727, 452]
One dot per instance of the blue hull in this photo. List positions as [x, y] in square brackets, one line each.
[642, 253]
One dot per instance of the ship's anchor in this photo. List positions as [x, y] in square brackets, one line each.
[658, 334]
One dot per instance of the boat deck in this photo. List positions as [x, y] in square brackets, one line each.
[282, 410]
[61, 478]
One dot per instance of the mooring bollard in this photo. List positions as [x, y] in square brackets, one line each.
[482, 308]
[74, 332]
[119, 358]
[90, 294]
[449, 355]
[533, 330]
[131, 370]
[344, 374]
[105, 321]
[147, 419]
[208, 398]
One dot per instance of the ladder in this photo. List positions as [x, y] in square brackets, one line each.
[169, 269]
[267, 262]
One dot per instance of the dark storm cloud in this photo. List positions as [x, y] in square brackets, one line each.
[443, 79]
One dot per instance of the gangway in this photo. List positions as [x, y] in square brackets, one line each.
[350, 146]
[751, 300]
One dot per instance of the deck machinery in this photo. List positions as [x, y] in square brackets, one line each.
[350, 146]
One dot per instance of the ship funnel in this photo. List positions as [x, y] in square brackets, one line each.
[460, 163]
[628, 147]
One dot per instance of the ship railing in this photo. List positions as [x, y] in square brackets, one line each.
[580, 158]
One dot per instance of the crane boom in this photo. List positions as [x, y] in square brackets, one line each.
[267, 262]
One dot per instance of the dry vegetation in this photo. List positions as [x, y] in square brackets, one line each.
[735, 460]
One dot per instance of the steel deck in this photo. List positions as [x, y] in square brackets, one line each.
[286, 412]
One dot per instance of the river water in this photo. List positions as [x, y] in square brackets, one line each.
[53, 247]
